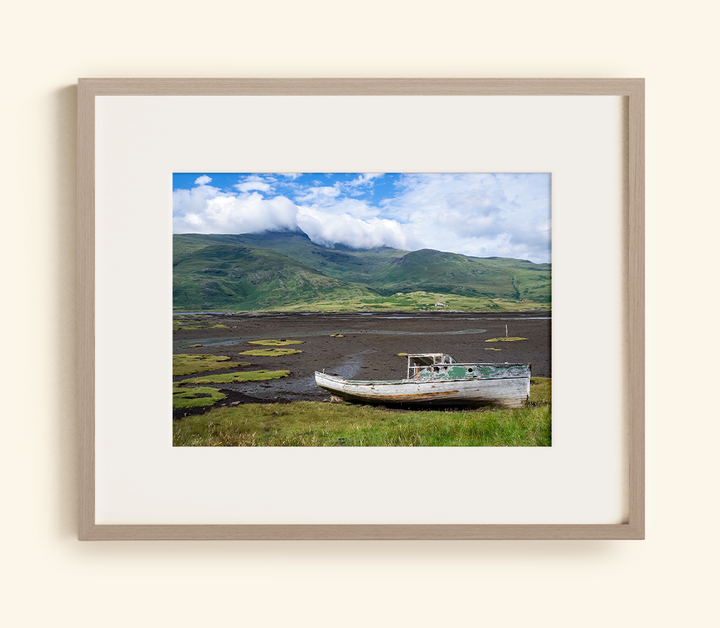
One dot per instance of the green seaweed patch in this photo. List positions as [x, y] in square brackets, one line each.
[194, 346]
[337, 335]
[189, 363]
[511, 339]
[180, 325]
[402, 355]
[275, 343]
[195, 397]
[228, 378]
[492, 349]
[270, 352]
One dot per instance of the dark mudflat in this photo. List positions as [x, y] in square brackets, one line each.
[368, 349]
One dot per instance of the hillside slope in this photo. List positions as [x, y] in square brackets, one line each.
[233, 276]
[341, 262]
[255, 271]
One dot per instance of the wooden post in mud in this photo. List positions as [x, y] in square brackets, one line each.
[506, 333]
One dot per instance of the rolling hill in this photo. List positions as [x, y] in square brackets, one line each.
[237, 277]
[437, 271]
[285, 269]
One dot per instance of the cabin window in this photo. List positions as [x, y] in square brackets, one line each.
[470, 370]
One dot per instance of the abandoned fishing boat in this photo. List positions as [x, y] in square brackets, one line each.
[436, 379]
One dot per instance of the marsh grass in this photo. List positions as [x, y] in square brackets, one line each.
[511, 339]
[418, 301]
[275, 343]
[189, 363]
[195, 397]
[179, 325]
[229, 378]
[320, 424]
[270, 352]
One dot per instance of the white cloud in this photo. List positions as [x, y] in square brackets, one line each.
[253, 185]
[226, 213]
[481, 215]
[364, 179]
[194, 200]
[255, 182]
[203, 180]
[328, 229]
[319, 195]
[206, 209]
[345, 205]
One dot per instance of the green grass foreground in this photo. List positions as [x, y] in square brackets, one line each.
[319, 424]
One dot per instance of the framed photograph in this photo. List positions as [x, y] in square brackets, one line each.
[337, 308]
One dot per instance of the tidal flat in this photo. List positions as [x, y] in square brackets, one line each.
[360, 345]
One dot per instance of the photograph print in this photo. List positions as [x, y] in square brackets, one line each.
[362, 309]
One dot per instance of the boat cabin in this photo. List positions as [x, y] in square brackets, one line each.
[427, 364]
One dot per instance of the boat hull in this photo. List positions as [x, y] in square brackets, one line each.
[511, 392]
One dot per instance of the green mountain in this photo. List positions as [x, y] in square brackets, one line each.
[437, 271]
[237, 277]
[272, 270]
[341, 262]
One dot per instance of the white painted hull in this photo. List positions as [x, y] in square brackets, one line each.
[512, 392]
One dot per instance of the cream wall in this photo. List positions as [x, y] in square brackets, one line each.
[49, 578]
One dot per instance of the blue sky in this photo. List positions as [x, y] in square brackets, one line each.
[478, 214]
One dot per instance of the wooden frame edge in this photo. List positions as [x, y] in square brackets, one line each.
[362, 86]
[86, 307]
[636, 303]
[632, 88]
[400, 532]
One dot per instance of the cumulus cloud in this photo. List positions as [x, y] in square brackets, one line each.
[364, 179]
[328, 229]
[349, 221]
[255, 182]
[505, 215]
[253, 185]
[193, 201]
[319, 195]
[198, 212]
[203, 180]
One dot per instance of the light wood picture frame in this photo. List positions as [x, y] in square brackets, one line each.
[631, 346]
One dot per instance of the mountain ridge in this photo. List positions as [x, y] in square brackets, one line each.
[272, 270]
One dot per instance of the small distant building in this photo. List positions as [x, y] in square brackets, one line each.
[440, 304]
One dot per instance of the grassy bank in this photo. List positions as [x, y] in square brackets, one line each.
[318, 424]
[420, 301]
[414, 302]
